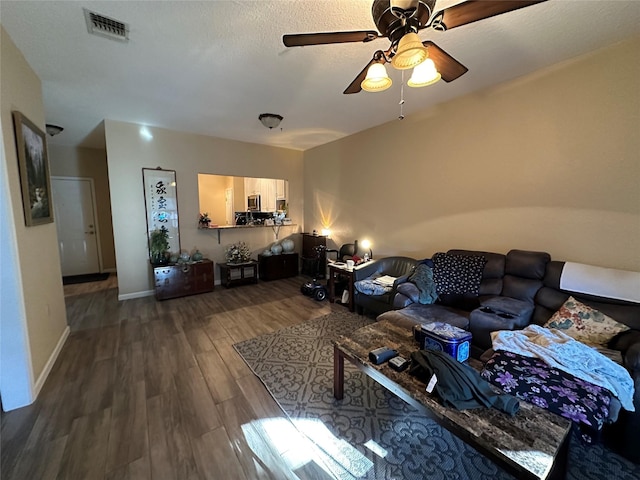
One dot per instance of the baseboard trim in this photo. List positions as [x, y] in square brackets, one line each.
[49, 365]
[129, 296]
[109, 270]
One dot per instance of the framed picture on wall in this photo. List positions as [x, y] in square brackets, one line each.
[161, 204]
[33, 163]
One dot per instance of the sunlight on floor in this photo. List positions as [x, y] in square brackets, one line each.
[532, 457]
[375, 448]
[301, 441]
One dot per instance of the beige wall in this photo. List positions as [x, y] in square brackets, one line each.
[548, 162]
[37, 249]
[89, 163]
[211, 193]
[188, 155]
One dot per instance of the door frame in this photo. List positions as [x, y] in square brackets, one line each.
[95, 212]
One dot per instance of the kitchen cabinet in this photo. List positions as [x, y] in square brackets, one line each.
[267, 189]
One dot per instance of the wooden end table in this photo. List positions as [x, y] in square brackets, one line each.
[336, 271]
[532, 444]
[238, 273]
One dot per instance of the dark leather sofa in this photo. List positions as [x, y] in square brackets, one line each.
[517, 289]
[506, 296]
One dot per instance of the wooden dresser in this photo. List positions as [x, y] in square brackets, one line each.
[173, 281]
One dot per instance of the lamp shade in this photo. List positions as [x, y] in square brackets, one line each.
[410, 52]
[424, 74]
[377, 79]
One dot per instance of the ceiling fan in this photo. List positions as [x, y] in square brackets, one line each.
[400, 21]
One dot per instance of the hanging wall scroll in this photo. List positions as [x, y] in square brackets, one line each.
[161, 203]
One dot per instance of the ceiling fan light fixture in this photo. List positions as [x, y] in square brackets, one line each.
[403, 6]
[53, 129]
[270, 120]
[410, 52]
[377, 79]
[424, 74]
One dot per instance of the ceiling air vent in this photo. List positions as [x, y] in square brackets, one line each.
[106, 27]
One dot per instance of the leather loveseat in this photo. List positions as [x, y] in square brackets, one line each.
[398, 267]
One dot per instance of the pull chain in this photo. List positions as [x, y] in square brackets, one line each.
[401, 117]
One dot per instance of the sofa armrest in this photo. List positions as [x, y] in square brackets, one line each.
[400, 301]
[400, 280]
[632, 359]
[410, 292]
[365, 270]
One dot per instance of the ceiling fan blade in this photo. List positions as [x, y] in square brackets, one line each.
[303, 39]
[449, 67]
[474, 10]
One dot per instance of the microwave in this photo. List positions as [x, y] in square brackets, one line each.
[253, 203]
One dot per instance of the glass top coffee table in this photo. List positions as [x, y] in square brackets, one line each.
[532, 444]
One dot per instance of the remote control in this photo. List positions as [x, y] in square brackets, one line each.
[398, 363]
[381, 355]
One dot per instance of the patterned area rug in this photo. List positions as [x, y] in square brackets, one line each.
[371, 433]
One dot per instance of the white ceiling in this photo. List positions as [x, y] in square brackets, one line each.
[211, 67]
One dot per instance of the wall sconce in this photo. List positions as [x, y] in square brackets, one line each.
[270, 120]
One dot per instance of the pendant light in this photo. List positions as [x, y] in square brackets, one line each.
[411, 52]
[424, 74]
[377, 79]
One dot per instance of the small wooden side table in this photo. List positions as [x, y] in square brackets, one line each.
[336, 271]
[238, 273]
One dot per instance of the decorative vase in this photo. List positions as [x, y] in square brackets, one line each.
[287, 245]
[276, 249]
[266, 253]
[197, 256]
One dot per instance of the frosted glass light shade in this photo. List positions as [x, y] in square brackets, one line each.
[424, 74]
[410, 52]
[377, 79]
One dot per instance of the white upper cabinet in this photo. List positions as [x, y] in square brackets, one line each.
[268, 195]
[281, 190]
[269, 190]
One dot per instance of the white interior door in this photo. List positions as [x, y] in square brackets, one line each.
[74, 208]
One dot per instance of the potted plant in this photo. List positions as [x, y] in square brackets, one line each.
[204, 220]
[158, 245]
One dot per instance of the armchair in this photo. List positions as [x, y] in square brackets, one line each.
[380, 300]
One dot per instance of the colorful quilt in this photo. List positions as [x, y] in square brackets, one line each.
[534, 381]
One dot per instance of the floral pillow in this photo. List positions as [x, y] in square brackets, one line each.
[585, 324]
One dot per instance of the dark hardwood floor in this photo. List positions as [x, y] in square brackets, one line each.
[155, 390]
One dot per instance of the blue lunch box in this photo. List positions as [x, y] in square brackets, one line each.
[444, 338]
